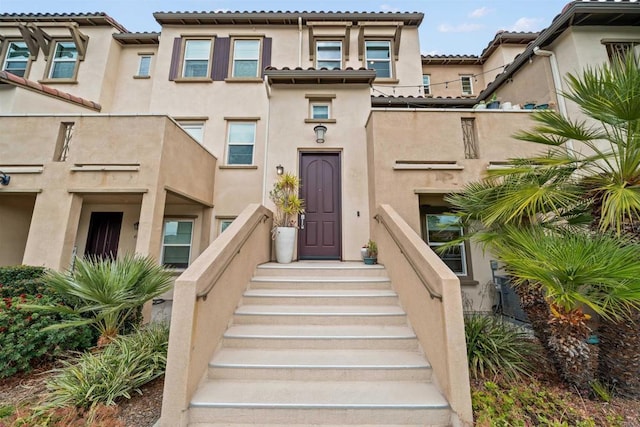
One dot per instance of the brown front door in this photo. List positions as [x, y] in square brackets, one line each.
[320, 188]
[104, 234]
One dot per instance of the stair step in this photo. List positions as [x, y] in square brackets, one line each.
[305, 364]
[320, 314]
[320, 296]
[320, 269]
[321, 336]
[313, 402]
[318, 282]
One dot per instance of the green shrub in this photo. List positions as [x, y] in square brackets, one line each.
[497, 348]
[21, 280]
[22, 340]
[123, 366]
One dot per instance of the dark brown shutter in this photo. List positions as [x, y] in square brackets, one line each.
[266, 54]
[221, 49]
[175, 58]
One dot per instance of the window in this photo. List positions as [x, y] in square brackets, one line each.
[442, 228]
[241, 140]
[195, 129]
[144, 68]
[320, 110]
[16, 60]
[378, 57]
[426, 84]
[224, 223]
[467, 87]
[176, 243]
[329, 54]
[196, 58]
[65, 58]
[246, 58]
[469, 138]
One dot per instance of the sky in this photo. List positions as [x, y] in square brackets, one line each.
[449, 27]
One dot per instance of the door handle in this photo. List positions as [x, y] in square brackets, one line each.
[302, 217]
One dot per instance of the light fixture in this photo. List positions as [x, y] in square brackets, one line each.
[136, 225]
[4, 178]
[320, 131]
[279, 170]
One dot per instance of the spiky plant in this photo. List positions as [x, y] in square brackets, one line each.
[107, 291]
[288, 204]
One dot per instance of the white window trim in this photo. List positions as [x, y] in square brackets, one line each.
[462, 78]
[463, 250]
[209, 58]
[426, 87]
[390, 60]
[230, 143]
[258, 59]
[223, 221]
[319, 104]
[7, 60]
[190, 245]
[338, 42]
[141, 58]
[55, 61]
[186, 125]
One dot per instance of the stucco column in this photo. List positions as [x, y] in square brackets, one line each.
[150, 230]
[54, 227]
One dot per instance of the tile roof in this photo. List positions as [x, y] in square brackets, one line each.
[451, 59]
[282, 17]
[88, 19]
[12, 79]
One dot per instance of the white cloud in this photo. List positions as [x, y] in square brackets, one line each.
[527, 24]
[460, 28]
[479, 13]
[387, 8]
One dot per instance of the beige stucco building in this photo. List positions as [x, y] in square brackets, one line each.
[113, 141]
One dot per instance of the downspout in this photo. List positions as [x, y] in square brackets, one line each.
[299, 41]
[557, 82]
[266, 142]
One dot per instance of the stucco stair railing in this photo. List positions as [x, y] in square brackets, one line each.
[205, 297]
[430, 294]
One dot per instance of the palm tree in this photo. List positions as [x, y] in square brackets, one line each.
[608, 174]
[599, 180]
[576, 272]
[108, 291]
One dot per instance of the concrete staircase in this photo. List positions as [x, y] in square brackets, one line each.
[319, 343]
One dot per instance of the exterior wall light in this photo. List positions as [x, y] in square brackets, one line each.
[279, 170]
[320, 131]
[4, 178]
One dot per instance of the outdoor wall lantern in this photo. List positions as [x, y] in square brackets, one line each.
[279, 170]
[320, 131]
[4, 178]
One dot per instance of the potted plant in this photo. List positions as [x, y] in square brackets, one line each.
[372, 253]
[529, 105]
[288, 205]
[493, 103]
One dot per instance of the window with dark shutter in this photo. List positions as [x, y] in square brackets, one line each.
[266, 54]
[220, 58]
[175, 58]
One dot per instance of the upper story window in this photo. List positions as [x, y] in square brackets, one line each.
[240, 143]
[16, 59]
[329, 54]
[144, 66]
[193, 128]
[197, 57]
[426, 84]
[246, 58]
[467, 86]
[378, 57]
[63, 64]
[320, 110]
[176, 243]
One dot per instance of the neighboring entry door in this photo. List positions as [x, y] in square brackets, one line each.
[104, 234]
[320, 188]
